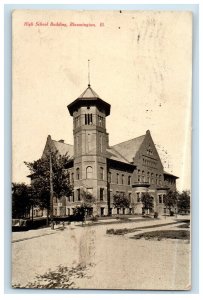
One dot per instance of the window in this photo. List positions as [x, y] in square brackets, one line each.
[101, 121]
[148, 178]
[156, 178]
[122, 179]
[89, 172]
[88, 119]
[78, 194]
[101, 194]
[72, 177]
[152, 178]
[160, 199]
[101, 174]
[77, 173]
[143, 176]
[117, 178]
[129, 180]
[138, 197]
[138, 176]
[160, 182]
[109, 177]
[130, 197]
[73, 196]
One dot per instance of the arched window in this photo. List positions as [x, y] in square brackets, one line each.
[122, 179]
[77, 173]
[89, 172]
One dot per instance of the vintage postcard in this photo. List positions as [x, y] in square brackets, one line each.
[101, 149]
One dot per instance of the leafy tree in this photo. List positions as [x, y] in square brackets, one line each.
[170, 199]
[183, 202]
[40, 178]
[147, 201]
[121, 201]
[22, 200]
[87, 200]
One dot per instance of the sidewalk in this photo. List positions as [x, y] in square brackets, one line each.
[136, 222]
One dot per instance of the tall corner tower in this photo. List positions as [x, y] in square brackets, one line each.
[89, 114]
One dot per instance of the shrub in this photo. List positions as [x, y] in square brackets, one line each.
[156, 215]
[94, 218]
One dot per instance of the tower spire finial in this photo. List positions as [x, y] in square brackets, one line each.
[88, 72]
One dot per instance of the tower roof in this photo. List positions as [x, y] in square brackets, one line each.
[87, 98]
[89, 93]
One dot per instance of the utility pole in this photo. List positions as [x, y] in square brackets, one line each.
[51, 191]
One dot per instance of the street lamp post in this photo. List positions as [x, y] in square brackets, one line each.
[51, 192]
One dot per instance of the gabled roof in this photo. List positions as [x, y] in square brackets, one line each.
[115, 155]
[60, 146]
[63, 148]
[129, 148]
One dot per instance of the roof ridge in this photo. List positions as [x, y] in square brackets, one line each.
[62, 143]
[129, 140]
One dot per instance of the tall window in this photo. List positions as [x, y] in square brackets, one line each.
[77, 173]
[156, 178]
[78, 194]
[160, 182]
[72, 177]
[129, 180]
[101, 194]
[130, 197]
[160, 198]
[122, 179]
[117, 178]
[138, 176]
[109, 177]
[152, 178]
[101, 174]
[88, 119]
[73, 196]
[143, 176]
[148, 178]
[101, 121]
[89, 172]
[138, 197]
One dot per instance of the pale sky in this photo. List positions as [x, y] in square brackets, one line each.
[140, 64]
